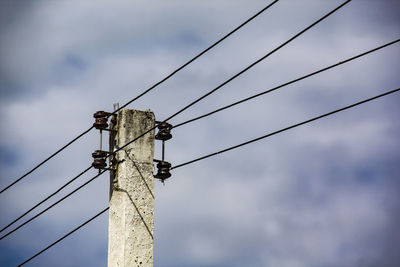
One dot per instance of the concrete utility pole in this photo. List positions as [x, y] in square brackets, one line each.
[131, 222]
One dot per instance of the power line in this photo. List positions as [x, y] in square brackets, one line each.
[175, 114]
[222, 151]
[219, 152]
[199, 55]
[285, 129]
[113, 153]
[238, 74]
[259, 60]
[152, 87]
[145, 92]
[235, 76]
[54, 204]
[259, 94]
[286, 84]
[47, 159]
[44, 200]
[60, 239]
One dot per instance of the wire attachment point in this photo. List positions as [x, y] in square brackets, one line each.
[163, 170]
[99, 161]
[164, 167]
[101, 120]
[164, 131]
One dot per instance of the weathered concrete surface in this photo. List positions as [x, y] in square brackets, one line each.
[131, 223]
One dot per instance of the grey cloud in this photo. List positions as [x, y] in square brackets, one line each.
[11, 11]
[320, 195]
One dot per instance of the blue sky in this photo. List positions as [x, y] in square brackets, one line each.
[324, 194]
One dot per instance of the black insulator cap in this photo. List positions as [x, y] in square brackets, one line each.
[99, 154]
[100, 114]
[162, 135]
[100, 123]
[163, 169]
[164, 131]
[99, 163]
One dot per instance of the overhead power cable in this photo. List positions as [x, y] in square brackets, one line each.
[60, 239]
[286, 84]
[216, 153]
[198, 55]
[236, 75]
[54, 204]
[145, 92]
[46, 159]
[284, 129]
[259, 60]
[244, 70]
[45, 199]
[233, 104]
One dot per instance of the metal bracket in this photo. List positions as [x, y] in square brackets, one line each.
[163, 170]
[100, 156]
[163, 167]
[112, 147]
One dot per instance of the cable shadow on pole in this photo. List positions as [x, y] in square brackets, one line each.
[138, 169]
[137, 209]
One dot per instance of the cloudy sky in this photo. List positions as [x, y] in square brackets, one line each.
[322, 195]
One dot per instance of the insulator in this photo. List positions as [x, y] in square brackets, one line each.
[101, 120]
[163, 169]
[100, 123]
[99, 154]
[99, 161]
[164, 131]
[100, 114]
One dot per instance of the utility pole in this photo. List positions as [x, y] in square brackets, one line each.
[131, 221]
